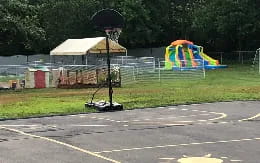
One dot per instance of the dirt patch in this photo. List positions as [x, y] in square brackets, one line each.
[10, 99]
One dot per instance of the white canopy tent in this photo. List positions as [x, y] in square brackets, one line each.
[85, 46]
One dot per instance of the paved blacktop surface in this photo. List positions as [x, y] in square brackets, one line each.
[199, 133]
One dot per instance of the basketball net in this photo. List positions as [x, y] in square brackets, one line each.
[113, 34]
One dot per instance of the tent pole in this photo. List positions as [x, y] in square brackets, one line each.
[86, 58]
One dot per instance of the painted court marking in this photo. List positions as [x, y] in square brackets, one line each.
[251, 118]
[61, 143]
[20, 125]
[90, 125]
[178, 145]
[203, 113]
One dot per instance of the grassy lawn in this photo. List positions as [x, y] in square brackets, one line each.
[233, 83]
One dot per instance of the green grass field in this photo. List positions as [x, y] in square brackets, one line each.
[234, 83]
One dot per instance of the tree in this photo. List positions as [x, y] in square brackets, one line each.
[230, 23]
[63, 19]
[20, 30]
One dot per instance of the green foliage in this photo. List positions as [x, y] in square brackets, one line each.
[29, 26]
[229, 22]
[20, 28]
[63, 19]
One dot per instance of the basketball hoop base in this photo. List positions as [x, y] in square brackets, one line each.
[104, 106]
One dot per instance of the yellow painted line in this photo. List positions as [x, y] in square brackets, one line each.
[223, 115]
[166, 158]
[82, 116]
[251, 118]
[177, 145]
[200, 160]
[60, 143]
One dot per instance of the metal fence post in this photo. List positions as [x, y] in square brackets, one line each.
[134, 72]
[259, 61]
[221, 57]
[238, 56]
[203, 69]
[159, 68]
[242, 58]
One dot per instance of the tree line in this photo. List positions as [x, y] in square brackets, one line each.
[37, 26]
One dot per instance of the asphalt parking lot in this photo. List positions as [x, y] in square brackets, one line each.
[202, 133]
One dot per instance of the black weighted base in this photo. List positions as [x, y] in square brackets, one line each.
[104, 106]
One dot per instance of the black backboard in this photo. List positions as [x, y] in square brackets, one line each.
[108, 19]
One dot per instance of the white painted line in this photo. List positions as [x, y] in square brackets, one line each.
[177, 145]
[236, 160]
[90, 125]
[223, 122]
[175, 124]
[209, 142]
[172, 108]
[61, 143]
[183, 121]
[20, 125]
[184, 109]
[161, 118]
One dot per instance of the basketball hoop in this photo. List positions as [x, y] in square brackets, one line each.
[110, 21]
[113, 34]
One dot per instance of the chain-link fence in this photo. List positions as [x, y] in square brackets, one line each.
[235, 57]
[124, 70]
[256, 62]
[154, 71]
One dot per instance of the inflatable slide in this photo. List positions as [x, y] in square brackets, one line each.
[183, 54]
